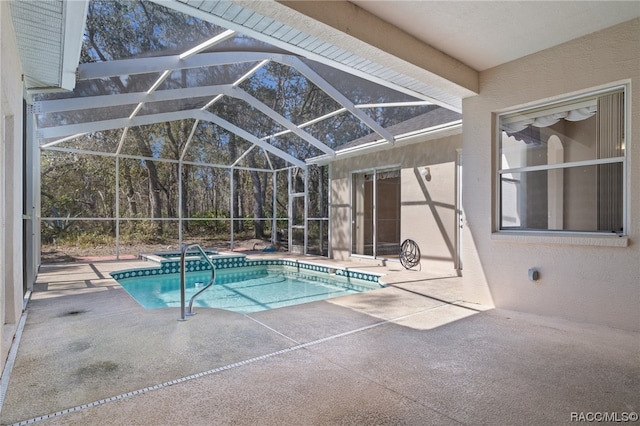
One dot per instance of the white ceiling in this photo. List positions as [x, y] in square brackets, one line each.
[484, 34]
[49, 45]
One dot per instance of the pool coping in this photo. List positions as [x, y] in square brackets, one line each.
[230, 260]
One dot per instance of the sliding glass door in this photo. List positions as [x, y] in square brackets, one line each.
[375, 213]
[362, 213]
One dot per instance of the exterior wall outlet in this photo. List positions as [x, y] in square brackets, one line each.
[534, 274]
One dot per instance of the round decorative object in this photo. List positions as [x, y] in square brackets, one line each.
[409, 254]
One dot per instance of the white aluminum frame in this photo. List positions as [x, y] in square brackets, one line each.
[193, 58]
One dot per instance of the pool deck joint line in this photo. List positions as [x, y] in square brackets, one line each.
[223, 368]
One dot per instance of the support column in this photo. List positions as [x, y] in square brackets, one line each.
[117, 198]
[232, 196]
[274, 226]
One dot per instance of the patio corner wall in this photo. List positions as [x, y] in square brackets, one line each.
[578, 281]
[427, 205]
[11, 275]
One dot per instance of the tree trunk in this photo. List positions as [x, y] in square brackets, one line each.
[177, 144]
[258, 197]
[131, 194]
[155, 196]
[235, 196]
[155, 188]
[258, 205]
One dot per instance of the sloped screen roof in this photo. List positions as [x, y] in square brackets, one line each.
[144, 66]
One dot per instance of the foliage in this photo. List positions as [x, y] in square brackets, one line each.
[76, 185]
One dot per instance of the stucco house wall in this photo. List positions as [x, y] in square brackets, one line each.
[10, 184]
[589, 279]
[427, 204]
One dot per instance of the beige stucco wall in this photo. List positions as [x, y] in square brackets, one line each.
[580, 278]
[427, 205]
[10, 183]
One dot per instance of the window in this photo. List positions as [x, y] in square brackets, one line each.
[562, 166]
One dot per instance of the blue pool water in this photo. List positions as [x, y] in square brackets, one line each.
[243, 290]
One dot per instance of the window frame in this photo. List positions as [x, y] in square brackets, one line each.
[375, 171]
[564, 235]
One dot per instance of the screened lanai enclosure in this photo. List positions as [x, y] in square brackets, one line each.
[181, 128]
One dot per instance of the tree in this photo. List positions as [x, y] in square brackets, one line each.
[142, 28]
[150, 186]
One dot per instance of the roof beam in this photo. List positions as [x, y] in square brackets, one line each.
[156, 159]
[75, 16]
[59, 141]
[308, 123]
[242, 78]
[207, 116]
[132, 98]
[339, 97]
[189, 139]
[159, 64]
[193, 51]
[207, 44]
[310, 24]
[103, 101]
[241, 94]
[350, 27]
[72, 129]
[244, 154]
[59, 105]
[117, 123]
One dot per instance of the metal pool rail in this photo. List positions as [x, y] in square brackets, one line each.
[183, 280]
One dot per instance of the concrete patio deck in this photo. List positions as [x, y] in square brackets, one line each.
[409, 354]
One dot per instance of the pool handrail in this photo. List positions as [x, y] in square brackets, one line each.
[183, 280]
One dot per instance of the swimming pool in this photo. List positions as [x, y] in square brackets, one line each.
[244, 290]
